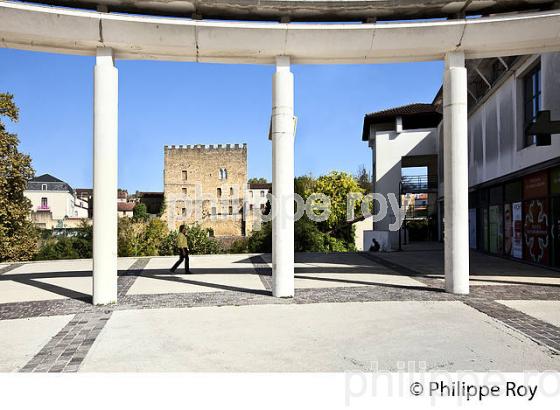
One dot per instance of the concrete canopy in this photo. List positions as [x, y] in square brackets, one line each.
[69, 31]
[307, 10]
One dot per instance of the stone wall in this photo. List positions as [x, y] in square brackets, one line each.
[205, 185]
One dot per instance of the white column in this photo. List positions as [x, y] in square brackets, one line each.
[282, 134]
[105, 144]
[456, 177]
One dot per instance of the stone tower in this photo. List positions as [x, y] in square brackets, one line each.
[205, 184]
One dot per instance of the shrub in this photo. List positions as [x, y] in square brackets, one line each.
[140, 212]
[239, 246]
[200, 242]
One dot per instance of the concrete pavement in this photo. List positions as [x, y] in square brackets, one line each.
[350, 312]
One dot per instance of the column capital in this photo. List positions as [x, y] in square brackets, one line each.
[454, 59]
[105, 56]
[282, 63]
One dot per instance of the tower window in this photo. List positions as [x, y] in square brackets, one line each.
[184, 175]
[219, 192]
[223, 173]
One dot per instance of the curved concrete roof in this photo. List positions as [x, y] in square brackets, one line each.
[69, 31]
[308, 10]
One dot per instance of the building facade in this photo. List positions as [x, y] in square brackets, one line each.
[205, 185]
[54, 203]
[514, 182]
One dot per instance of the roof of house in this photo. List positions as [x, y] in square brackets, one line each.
[260, 185]
[53, 184]
[415, 110]
[46, 178]
[125, 206]
[141, 194]
[409, 109]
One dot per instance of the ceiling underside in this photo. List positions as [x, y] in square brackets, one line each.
[307, 10]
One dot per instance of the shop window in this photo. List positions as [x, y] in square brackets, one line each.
[495, 230]
[555, 224]
[536, 240]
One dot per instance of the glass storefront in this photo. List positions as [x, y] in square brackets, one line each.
[519, 219]
[555, 215]
[495, 229]
[536, 235]
[555, 231]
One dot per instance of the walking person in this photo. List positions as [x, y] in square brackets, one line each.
[183, 246]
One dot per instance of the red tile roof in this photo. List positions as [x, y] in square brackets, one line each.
[125, 206]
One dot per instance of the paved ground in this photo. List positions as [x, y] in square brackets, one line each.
[351, 311]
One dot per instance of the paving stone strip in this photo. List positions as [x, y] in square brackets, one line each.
[483, 298]
[66, 351]
[403, 270]
[263, 270]
[11, 267]
[541, 332]
[127, 279]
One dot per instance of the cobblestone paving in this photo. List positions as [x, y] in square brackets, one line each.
[127, 279]
[66, 350]
[483, 298]
[10, 267]
[264, 272]
[541, 332]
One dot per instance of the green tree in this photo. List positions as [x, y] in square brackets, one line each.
[18, 236]
[257, 181]
[78, 246]
[337, 186]
[200, 241]
[304, 185]
[152, 236]
[140, 212]
[364, 179]
[261, 240]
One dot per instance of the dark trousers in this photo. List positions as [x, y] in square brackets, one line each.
[184, 256]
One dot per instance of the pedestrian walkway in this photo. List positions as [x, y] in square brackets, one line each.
[351, 311]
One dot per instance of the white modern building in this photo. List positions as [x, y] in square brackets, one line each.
[54, 202]
[525, 27]
[514, 184]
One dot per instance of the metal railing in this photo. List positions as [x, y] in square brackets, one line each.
[419, 183]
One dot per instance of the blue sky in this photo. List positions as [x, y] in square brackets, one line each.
[186, 103]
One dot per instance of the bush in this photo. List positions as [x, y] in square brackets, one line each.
[239, 246]
[261, 241]
[418, 230]
[140, 212]
[79, 246]
[200, 242]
